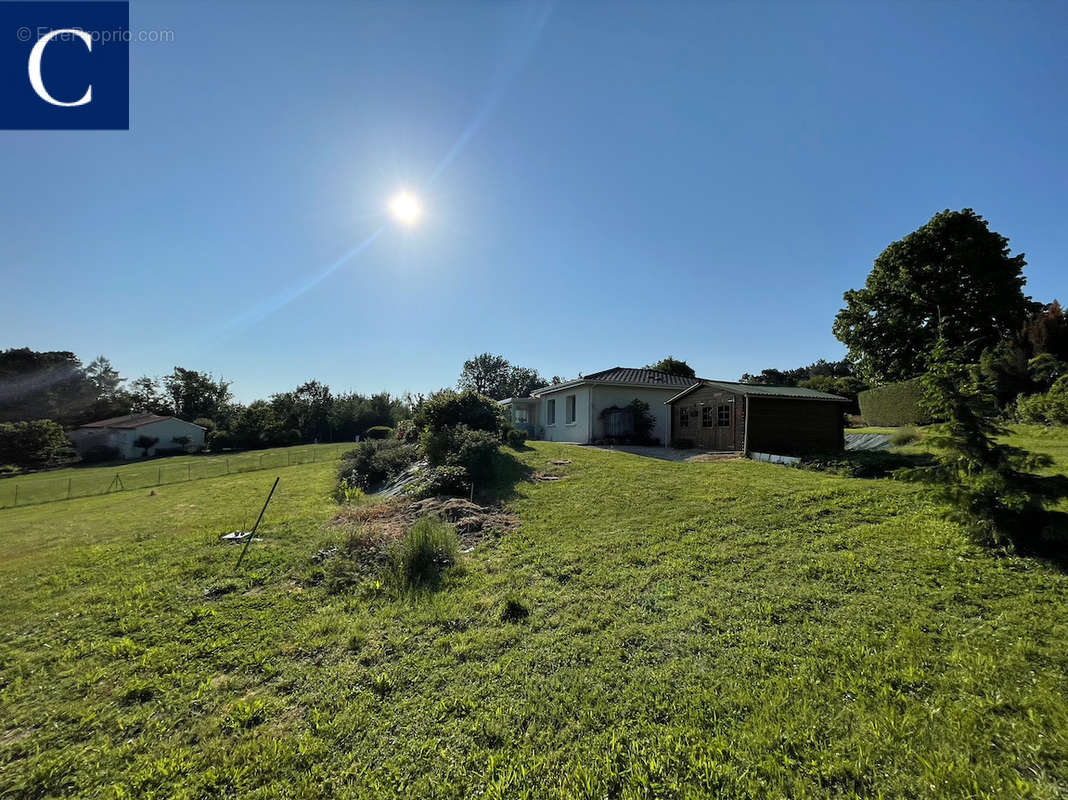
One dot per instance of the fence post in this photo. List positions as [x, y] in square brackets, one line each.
[159, 476]
[68, 488]
[16, 494]
[227, 465]
[261, 460]
[189, 471]
[287, 458]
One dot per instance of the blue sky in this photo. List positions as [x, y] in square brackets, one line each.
[603, 183]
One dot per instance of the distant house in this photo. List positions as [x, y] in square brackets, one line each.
[120, 433]
[711, 415]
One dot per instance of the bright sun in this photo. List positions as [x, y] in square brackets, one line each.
[405, 208]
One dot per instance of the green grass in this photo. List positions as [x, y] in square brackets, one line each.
[62, 484]
[729, 629]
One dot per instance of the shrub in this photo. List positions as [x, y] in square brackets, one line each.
[379, 432]
[894, 404]
[441, 481]
[424, 553]
[448, 409]
[206, 423]
[406, 431]
[462, 447]
[221, 440]
[372, 463]
[1050, 408]
[145, 443]
[516, 438]
[35, 445]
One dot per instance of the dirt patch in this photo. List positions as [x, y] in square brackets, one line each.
[387, 522]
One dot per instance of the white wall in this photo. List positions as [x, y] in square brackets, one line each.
[579, 431]
[123, 439]
[620, 396]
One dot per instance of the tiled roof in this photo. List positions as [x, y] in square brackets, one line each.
[627, 376]
[128, 421]
[642, 377]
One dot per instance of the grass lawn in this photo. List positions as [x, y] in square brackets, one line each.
[731, 629]
[59, 484]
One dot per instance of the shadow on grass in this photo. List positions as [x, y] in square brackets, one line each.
[508, 472]
[864, 463]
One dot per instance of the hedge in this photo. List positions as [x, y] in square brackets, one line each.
[893, 405]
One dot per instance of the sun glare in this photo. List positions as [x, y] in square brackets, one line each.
[405, 208]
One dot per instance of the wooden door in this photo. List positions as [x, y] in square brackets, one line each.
[717, 423]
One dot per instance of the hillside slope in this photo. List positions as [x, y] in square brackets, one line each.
[715, 629]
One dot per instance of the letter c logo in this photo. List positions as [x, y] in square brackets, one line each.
[35, 67]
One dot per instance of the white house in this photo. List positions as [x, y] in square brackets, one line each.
[121, 432]
[594, 407]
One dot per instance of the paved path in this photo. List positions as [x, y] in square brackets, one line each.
[666, 453]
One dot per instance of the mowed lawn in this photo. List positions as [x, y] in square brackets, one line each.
[61, 484]
[731, 629]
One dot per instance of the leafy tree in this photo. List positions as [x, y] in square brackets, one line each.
[486, 374]
[193, 394]
[257, 425]
[306, 409]
[146, 396]
[673, 366]
[39, 444]
[991, 487]
[953, 275]
[1047, 332]
[448, 408]
[45, 385]
[494, 376]
[145, 443]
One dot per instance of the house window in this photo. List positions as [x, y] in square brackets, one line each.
[569, 409]
[550, 412]
[521, 416]
[684, 418]
[708, 417]
[724, 415]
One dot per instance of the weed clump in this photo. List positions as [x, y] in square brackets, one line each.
[425, 552]
[514, 610]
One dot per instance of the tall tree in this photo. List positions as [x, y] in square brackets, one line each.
[496, 377]
[146, 396]
[111, 400]
[673, 366]
[953, 275]
[44, 385]
[195, 394]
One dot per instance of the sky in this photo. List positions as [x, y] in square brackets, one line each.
[603, 183]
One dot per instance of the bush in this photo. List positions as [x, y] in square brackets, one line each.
[424, 553]
[516, 438]
[35, 445]
[378, 432]
[462, 447]
[448, 409]
[370, 464]
[894, 404]
[221, 440]
[904, 436]
[441, 481]
[1050, 408]
[406, 431]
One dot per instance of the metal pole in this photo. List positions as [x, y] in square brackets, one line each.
[16, 494]
[189, 471]
[68, 488]
[252, 533]
[159, 475]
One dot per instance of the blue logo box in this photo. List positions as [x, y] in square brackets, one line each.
[64, 65]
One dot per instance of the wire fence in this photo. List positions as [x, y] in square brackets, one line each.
[143, 475]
